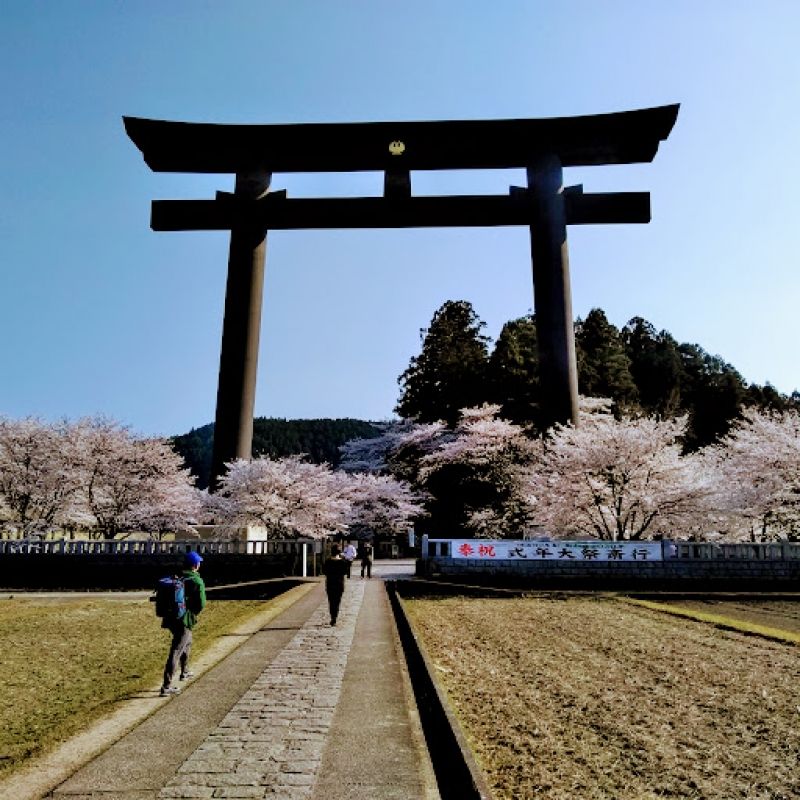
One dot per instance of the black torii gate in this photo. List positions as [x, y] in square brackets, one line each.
[253, 153]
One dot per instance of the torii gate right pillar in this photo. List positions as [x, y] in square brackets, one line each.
[551, 292]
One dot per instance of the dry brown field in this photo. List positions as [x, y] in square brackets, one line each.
[589, 698]
[782, 614]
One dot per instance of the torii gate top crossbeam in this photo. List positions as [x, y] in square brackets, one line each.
[621, 138]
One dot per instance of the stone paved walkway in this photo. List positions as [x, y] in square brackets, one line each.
[298, 709]
[270, 744]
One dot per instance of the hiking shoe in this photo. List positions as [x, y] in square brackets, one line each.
[168, 690]
[186, 675]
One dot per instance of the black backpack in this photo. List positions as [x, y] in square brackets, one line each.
[171, 598]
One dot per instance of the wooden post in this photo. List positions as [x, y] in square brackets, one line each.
[551, 292]
[236, 392]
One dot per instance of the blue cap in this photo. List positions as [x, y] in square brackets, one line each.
[192, 559]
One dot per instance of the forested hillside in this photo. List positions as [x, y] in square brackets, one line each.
[319, 439]
[639, 368]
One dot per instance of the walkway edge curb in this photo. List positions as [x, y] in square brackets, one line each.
[454, 764]
[412, 708]
[45, 773]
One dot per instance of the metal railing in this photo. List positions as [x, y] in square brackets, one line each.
[741, 551]
[126, 547]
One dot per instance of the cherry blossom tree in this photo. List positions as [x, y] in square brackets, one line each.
[381, 503]
[133, 483]
[6, 516]
[172, 505]
[371, 455]
[618, 479]
[476, 470]
[288, 496]
[39, 475]
[397, 450]
[92, 474]
[480, 438]
[467, 475]
[757, 468]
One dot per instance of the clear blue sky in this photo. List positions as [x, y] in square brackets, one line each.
[101, 315]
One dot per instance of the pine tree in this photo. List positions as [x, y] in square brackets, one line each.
[655, 367]
[713, 392]
[514, 371]
[603, 365]
[451, 370]
[767, 398]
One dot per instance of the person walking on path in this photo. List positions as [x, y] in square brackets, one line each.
[366, 559]
[335, 569]
[350, 556]
[181, 628]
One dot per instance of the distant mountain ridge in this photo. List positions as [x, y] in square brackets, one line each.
[318, 438]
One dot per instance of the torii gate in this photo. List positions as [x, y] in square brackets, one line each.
[253, 153]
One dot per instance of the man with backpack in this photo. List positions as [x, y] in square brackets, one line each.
[180, 616]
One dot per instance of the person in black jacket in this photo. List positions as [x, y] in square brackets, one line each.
[335, 571]
[366, 560]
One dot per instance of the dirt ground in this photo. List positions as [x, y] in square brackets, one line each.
[590, 698]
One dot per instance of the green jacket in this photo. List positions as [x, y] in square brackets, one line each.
[195, 597]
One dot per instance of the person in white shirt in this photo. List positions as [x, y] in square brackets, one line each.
[349, 556]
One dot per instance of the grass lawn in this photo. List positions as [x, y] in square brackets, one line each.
[589, 698]
[66, 661]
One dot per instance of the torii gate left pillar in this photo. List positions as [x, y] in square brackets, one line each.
[238, 361]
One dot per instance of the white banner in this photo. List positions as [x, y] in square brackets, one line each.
[593, 550]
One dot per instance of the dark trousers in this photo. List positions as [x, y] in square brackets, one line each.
[334, 601]
[366, 565]
[179, 650]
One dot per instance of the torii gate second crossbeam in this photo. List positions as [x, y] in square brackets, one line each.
[253, 153]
